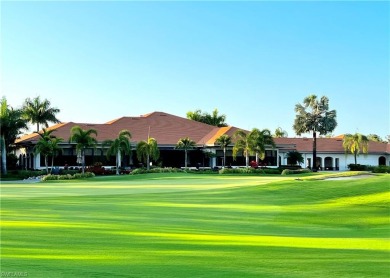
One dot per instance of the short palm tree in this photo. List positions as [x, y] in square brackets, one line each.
[185, 144]
[83, 139]
[120, 145]
[224, 141]
[355, 143]
[245, 142]
[40, 112]
[146, 150]
[47, 146]
[294, 157]
[262, 139]
[280, 133]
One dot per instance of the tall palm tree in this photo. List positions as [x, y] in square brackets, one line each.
[355, 143]
[120, 145]
[262, 138]
[280, 133]
[185, 144]
[146, 150]
[245, 142]
[40, 112]
[314, 116]
[224, 141]
[11, 122]
[83, 139]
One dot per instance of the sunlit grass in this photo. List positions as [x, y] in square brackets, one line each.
[176, 225]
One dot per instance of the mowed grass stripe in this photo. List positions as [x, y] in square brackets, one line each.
[278, 228]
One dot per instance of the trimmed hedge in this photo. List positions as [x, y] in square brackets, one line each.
[68, 176]
[156, 170]
[295, 172]
[250, 171]
[381, 169]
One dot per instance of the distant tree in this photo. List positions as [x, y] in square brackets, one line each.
[224, 141]
[279, 133]
[185, 144]
[40, 112]
[83, 139]
[120, 145]
[55, 149]
[374, 138]
[355, 143]
[146, 150]
[11, 122]
[245, 142]
[387, 139]
[294, 157]
[314, 116]
[262, 139]
[211, 119]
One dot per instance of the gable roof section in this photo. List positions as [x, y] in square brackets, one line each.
[167, 129]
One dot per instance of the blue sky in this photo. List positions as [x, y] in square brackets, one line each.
[254, 61]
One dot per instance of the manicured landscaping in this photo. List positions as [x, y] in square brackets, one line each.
[189, 225]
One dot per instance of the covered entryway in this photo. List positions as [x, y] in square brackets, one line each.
[328, 163]
[382, 160]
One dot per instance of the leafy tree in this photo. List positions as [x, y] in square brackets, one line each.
[374, 138]
[244, 142]
[224, 141]
[83, 139]
[11, 122]
[48, 145]
[280, 133]
[185, 144]
[354, 143]
[120, 145]
[40, 112]
[211, 119]
[295, 157]
[314, 116]
[262, 138]
[146, 150]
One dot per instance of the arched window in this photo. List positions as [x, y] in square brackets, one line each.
[382, 160]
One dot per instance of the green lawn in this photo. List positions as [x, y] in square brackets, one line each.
[186, 225]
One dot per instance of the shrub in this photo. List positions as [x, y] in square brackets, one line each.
[357, 167]
[156, 170]
[381, 169]
[68, 176]
[295, 172]
[259, 171]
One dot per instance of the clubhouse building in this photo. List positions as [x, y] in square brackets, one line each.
[168, 129]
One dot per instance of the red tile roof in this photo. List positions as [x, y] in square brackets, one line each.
[167, 129]
[330, 145]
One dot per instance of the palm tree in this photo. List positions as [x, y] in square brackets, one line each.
[210, 119]
[121, 145]
[294, 157]
[185, 144]
[40, 112]
[280, 133]
[11, 122]
[314, 116]
[48, 146]
[83, 139]
[146, 150]
[262, 138]
[245, 142]
[355, 143]
[224, 141]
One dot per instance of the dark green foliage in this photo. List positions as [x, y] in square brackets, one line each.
[262, 171]
[156, 170]
[358, 167]
[381, 169]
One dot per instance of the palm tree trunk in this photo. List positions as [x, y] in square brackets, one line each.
[355, 155]
[46, 164]
[247, 159]
[224, 157]
[314, 169]
[185, 159]
[3, 156]
[147, 162]
[83, 161]
[52, 164]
